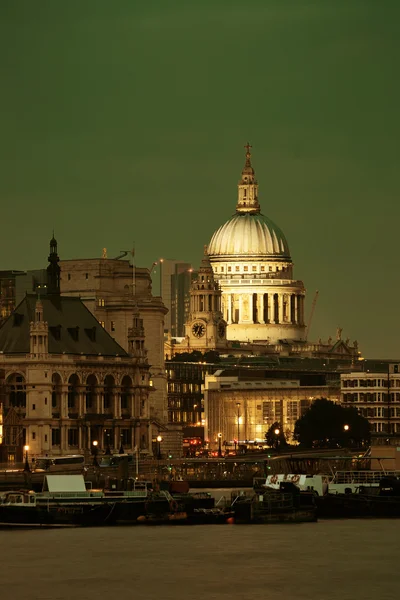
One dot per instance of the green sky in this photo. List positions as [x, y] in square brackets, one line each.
[125, 121]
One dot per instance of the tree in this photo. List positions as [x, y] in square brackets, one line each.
[328, 425]
[273, 439]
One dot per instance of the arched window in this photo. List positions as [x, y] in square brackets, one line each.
[73, 383]
[16, 390]
[126, 394]
[109, 385]
[90, 394]
[56, 394]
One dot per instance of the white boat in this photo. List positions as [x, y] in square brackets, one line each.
[341, 482]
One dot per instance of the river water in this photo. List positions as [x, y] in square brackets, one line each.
[329, 560]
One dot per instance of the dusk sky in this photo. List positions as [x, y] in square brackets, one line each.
[124, 122]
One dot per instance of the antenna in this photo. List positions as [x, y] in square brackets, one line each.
[311, 314]
[133, 271]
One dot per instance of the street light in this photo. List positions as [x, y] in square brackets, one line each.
[108, 449]
[346, 427]
[238, 422]
[277, 431]
[94, 452]
[159, 440]
[219, 436]
[26, 467]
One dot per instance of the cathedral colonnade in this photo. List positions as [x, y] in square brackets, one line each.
[263, 308]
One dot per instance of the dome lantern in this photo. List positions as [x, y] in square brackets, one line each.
[248, 188]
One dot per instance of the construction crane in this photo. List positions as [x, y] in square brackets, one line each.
[122, 254]
[311, 314]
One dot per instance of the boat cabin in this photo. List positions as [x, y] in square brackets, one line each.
[18, 498]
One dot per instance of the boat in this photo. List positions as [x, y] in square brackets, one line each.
[381, 501]
[22, 509]
[284, 505]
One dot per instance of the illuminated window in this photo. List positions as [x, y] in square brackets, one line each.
[254, 268]
[245, 268]
[101, 302]
[222, 269]
[262, 268]
[102, 323]
[229, 269]
[236, 268]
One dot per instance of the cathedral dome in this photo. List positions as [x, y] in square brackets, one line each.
[246, 235]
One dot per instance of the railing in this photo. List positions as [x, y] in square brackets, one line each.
[362, 476]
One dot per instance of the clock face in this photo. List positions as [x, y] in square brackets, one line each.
[198, 330]
[221, 330]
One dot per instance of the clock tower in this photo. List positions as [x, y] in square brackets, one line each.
[205, 328]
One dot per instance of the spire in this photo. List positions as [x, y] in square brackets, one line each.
[53, 270]
[248, 187]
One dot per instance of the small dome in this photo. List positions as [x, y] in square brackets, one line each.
[248, 235]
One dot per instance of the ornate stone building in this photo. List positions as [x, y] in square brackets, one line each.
[111, 288]
[68, 381]
[205, 328]
[261, 301]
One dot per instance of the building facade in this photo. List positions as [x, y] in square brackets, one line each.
[376, 396]
[261, 301]
[67, 382]
[111, 289]
[175, 280]
[243, 408]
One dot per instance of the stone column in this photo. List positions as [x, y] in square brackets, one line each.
[229, 308]
[251, 300]
[280, 301]
[80, 436]
[132, 403]
[289, 308]
[260, 306]
[81, 407]
[64, 402]
[271, 308]
[296, 309]
[117, 402]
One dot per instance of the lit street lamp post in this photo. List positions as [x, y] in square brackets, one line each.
[277, 433]
[26, 466]
[159, 440]
[346, 429]
[219, 436]
[94, 452]
[238, 423]
[108, 449]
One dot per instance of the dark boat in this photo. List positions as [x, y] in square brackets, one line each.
[284, 505]
[21, 509]
[378, 502]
